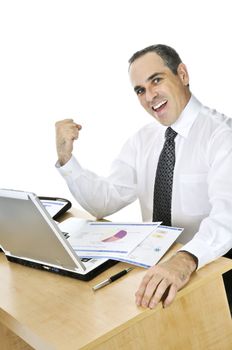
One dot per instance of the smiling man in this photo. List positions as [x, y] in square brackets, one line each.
[163, 93]
[178, 167]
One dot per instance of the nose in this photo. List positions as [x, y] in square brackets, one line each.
[151, 93]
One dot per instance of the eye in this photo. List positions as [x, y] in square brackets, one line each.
[139, 91]
[156, 80]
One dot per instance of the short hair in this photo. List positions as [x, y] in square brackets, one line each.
[168, 54]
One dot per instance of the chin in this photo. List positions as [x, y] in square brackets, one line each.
[166, 124]
[164, 121]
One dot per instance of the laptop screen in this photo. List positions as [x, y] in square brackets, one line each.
[28, 232]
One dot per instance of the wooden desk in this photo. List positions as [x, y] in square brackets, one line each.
[41, 310]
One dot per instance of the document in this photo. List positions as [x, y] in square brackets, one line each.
[106, 238]
[151, 250]
[141, 244]
[148, 252]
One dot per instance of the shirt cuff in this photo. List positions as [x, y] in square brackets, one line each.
[201, 250]
[70, 168]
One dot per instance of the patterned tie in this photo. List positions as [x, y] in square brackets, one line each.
[163, 180]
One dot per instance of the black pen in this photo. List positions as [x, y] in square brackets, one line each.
[112, 278]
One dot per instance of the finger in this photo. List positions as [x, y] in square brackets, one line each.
[158, 293]
[142, 287]
[69, 132]
[67, 123]
[150, 289]
[67, 120]
[170, 295]
[62, 122]
[79, 127]
[74, 128]
[76, 132]
[75, 137]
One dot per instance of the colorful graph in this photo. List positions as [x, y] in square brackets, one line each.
[119, 235]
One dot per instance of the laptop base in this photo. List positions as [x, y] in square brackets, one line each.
[84, 277]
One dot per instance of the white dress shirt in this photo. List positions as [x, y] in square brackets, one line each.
[202, 182]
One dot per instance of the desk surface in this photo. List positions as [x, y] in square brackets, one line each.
[55, 312]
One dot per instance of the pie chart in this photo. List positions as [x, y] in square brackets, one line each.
[119, 235]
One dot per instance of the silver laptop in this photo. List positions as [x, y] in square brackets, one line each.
[29, 236]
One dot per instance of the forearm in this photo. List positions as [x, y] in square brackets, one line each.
[99, 195]
[212, 241]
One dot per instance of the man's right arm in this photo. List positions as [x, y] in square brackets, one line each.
[100, 196]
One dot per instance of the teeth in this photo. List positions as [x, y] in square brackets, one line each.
[158, 105]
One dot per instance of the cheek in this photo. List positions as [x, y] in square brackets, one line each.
[143, 102]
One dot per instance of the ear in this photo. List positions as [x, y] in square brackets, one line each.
[183, 74]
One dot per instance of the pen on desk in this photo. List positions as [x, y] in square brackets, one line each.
[112, 278]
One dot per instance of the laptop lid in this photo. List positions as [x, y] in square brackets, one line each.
[29, 235]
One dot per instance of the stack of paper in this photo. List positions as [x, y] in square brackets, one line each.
[142, 244]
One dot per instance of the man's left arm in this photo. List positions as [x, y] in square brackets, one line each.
[213, 239]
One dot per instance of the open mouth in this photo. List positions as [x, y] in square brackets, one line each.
[159, 106]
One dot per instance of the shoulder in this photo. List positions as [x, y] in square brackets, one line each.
[215, 130]
[216, 119]
[211, 125]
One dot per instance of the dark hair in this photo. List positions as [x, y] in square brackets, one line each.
[168, 54]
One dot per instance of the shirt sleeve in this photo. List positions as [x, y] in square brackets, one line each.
[102, 196]
[214, 237]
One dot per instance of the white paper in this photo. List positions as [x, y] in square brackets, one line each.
[53, 207]
[147, 253]
[106, 237]
[73, 226]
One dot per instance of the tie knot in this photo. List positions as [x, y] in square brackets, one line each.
[170, 133]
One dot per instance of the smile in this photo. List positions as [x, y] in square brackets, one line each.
[159, 106]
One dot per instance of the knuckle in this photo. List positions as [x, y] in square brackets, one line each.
[146, 279]
[138, 294]
[57, 124]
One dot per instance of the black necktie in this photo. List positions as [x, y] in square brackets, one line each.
[163, 180]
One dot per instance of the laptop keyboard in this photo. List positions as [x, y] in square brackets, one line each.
[66, 235]
[85, 259]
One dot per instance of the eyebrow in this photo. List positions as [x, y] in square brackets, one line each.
[153, 76]
[137, 87]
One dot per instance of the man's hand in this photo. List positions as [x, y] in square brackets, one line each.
[162, 281]
[66, 132]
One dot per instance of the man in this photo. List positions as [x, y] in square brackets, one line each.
[199, 186]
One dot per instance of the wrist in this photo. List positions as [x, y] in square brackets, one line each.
[189, 259]
[63, 159]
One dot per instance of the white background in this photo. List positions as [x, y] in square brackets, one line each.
[68, 59]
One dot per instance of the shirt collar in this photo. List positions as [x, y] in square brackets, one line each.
[186, 119]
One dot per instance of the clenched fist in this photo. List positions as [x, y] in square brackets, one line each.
[66, 132]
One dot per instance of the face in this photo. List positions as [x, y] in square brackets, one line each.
[162, 93]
